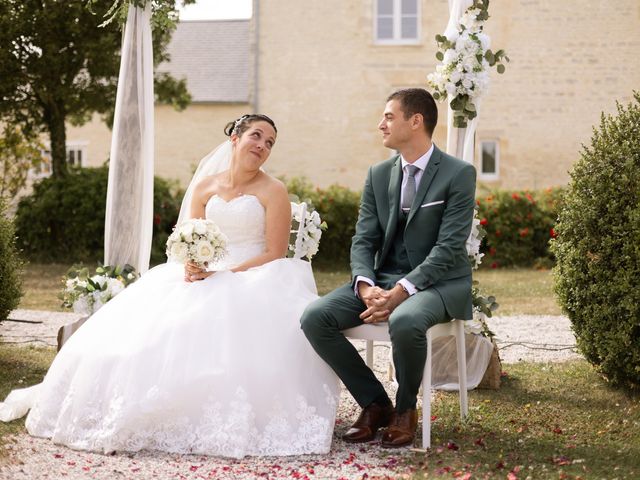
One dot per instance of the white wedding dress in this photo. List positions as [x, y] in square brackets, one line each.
[216, 367]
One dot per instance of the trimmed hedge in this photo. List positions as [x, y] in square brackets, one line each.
[519, 225]
[63, 219]
[10, 266]
[597, 276]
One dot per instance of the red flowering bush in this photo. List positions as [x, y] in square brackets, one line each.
[519, 225]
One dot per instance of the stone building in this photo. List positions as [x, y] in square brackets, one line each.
[322, 70]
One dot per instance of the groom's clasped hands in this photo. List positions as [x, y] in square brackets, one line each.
[380, 303]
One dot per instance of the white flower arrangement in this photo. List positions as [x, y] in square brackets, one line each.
[482, 306]
[196, 240]
[311, 232]
[87, 294]
[474, 241]
[463, 75]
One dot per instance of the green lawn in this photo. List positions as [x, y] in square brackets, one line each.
[20, 367]
[518, 291]
[42, 284]
[547, 421]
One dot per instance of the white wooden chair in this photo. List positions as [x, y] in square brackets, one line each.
[380, 332]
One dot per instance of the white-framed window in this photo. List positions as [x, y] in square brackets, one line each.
[489, 159]
[44, 167]
[397, 22]
[77, 153]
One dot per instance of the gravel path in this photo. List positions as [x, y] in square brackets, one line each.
[520, 338]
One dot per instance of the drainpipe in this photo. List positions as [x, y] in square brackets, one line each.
[256, 53]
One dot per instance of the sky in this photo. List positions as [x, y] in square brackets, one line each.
[216, 10]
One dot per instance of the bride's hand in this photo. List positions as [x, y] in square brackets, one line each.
[193, 272]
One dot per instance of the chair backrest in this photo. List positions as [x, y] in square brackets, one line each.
[297, 246]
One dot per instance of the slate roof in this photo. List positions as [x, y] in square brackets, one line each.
[214, 57]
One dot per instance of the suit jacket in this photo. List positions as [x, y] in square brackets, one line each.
[435, 232]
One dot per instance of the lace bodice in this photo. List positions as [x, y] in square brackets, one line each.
[242, 220]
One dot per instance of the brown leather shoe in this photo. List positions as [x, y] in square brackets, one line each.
[402, 430]
[370, 420]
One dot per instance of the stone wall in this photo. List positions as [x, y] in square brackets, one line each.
[324, 80]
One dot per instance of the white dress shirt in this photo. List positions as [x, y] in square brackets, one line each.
[421, 163]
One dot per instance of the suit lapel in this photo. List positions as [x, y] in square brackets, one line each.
[395, 181]
[425, 181]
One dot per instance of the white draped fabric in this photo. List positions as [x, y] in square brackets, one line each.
[129, 212]
[460, 142]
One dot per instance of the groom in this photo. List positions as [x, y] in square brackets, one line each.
[409, 267]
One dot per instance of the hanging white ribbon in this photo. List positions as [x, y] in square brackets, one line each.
[129, 212]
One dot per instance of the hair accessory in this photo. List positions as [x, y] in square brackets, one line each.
[238, 122]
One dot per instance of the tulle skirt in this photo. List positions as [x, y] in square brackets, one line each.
[218, 367]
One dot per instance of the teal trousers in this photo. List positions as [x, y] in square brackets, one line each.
[324, 320]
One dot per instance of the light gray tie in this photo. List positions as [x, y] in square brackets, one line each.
[409, 190]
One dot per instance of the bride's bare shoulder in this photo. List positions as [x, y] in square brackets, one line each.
[208, 183]
[275, 188]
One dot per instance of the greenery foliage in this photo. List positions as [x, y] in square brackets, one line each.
[10, 267]
[18, 154]
[63, 219]
[598, 247]
[336, 205]
[519, 225]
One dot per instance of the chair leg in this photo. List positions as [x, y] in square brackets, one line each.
[426, 398]
[369, 354]
[462, 368]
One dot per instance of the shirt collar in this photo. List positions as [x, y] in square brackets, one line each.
[421, 162]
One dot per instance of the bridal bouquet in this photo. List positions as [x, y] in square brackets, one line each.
[307, 245]
[196, 240]
[463, 75]
[87, 294]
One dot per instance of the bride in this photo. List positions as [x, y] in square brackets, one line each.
[193, 361]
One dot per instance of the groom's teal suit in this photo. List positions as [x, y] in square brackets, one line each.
[427, 247]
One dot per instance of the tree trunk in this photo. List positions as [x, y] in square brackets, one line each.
[54, 116]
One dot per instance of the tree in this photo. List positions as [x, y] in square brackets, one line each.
[17, 156]
[60, 60]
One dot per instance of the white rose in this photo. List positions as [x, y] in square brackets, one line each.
[179, 252]
[312, 249]
[186, 231]
[81, 305]
[451, 89]
[114, 286]
[485, 41]
[449, 56]
[97, 305]
[467, 83]
[203, 252]
[453, 36]
[200, 228]
[99, 279]
[473, 326]
[296, 209]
